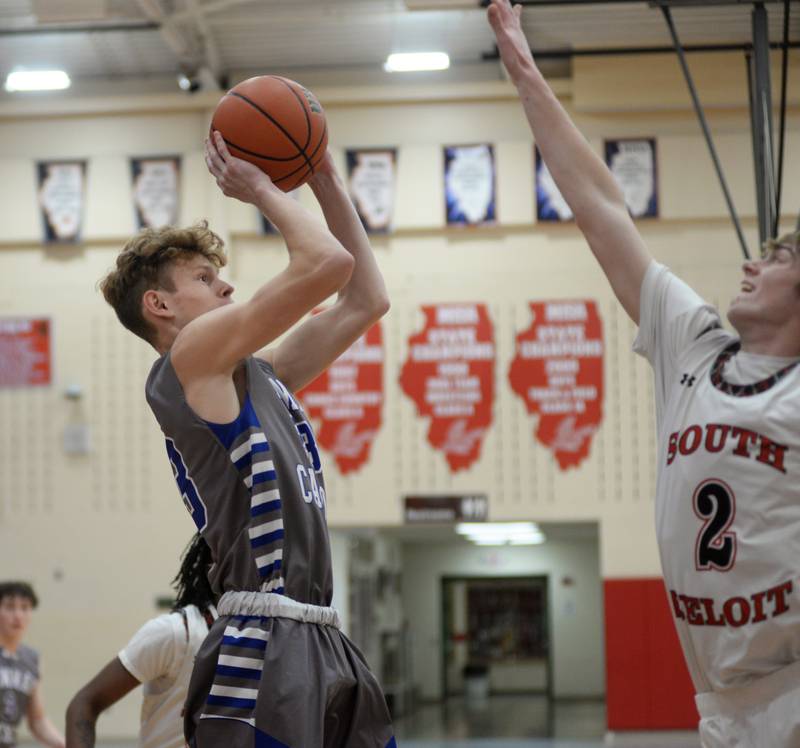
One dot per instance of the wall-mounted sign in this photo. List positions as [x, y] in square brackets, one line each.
[449, 374]
[61, 191]
[558, 373]
[347, 399]
[445, 509]
[24, 352]
[633, 164]
[156, 191]
[371, 174]
[469, 179]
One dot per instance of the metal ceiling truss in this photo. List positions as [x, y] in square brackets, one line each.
[768, 185]
[190, 40]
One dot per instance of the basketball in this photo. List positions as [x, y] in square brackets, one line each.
[276, 124]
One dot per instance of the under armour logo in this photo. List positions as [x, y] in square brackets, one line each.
[688, 380]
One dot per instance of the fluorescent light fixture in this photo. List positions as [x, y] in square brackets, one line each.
[411, 62]
[37, 80]
[501, 533]
[494, 528]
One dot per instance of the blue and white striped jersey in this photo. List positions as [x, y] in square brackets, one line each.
[254, 487]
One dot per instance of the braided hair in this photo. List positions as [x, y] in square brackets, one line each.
[191, 583]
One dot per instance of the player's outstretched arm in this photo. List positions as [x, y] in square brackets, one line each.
[38, 723]
[106, 688]
[215, 342]
[583, 179]
[317, 342]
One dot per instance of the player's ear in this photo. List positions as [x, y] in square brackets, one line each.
[155, 303]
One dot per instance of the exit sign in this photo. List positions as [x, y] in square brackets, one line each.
[446, 509]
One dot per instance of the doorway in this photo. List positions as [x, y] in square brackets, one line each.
[498, 628]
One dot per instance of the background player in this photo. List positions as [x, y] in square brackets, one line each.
[728, 493]
[160, 655]
[246, 461]
[19, 670]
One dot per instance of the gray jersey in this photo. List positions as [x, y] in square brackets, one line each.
[254, 487]
[19, 674]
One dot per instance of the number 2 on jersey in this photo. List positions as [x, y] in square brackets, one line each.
[715, 548]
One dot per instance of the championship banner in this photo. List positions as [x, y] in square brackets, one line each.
[469, 183]
[449, 375]
[371, 177]
[25, 359]
[265, 225]
[550, 204]
[156, 191]
[558, 373]
[347, 400]
[61, 191]
[633, 163]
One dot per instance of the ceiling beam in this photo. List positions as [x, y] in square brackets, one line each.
[210, 49]
[185, 49]
[190, 41]
[651, 3]
[558, 54]
[80, 28]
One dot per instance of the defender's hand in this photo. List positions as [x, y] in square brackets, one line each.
[514, 49]
[235, 177]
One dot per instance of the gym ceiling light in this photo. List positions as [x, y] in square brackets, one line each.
[37, 80]
[413, 62]
[501, 533]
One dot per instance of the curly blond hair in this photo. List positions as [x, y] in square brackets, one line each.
[144, 264]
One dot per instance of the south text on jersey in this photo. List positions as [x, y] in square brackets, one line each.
[721, 437]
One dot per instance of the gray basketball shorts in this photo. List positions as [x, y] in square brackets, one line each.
[271, 682]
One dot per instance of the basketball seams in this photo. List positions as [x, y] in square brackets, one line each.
[301, 151]
[313, 166]
[303, 105]
[261, 156]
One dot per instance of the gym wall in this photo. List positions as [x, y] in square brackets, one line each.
[99, 535]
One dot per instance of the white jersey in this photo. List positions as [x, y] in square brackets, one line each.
[160, 655]
[728, 489]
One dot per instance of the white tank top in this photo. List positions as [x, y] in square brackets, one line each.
[164, 698]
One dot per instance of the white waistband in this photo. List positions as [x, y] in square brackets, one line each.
[759, 691]
[271, 605]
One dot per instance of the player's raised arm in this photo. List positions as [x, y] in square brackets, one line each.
[316, 343]
[214, 342]
[583, 179]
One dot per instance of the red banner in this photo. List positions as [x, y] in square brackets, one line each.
[449, 374]
[347, 399]
[558, 372]
[24, 352]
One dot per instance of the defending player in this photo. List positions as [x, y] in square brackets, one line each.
[246, 461]
[728, 408]
[19, 670]
[160, 655]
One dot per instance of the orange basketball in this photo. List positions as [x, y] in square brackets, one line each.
[276, 124]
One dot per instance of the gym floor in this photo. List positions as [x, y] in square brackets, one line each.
[523, 722]
[512, 722]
